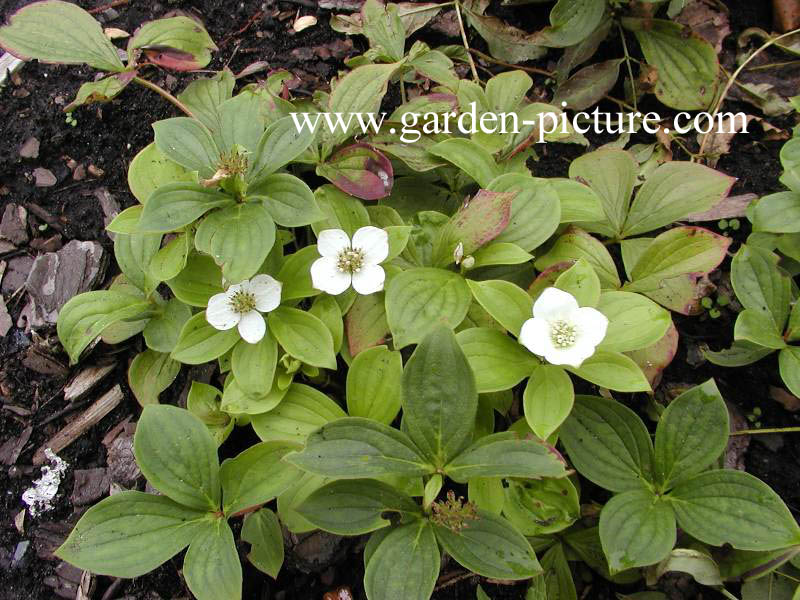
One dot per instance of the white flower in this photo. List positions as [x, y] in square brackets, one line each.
[562, 332]
[343, 262]
[242, 304]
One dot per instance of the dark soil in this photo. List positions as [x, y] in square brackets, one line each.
[108, 136]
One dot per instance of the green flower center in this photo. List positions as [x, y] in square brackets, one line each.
[243, 302]
[562, 334]
[350, 260]
[233, 163]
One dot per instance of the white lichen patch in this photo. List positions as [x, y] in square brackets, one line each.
[45, 488]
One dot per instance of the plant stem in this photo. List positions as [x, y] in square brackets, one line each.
[164, 94]
[773, 430]
[733, 77]
[466, 43]
[491, 59]
[630, 69]
[726, 593]
[426, 8]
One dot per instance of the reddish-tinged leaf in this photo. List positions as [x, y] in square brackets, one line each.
[654, 359]
[366, 323]
[478, 221]
[169, 58]
[361, 171]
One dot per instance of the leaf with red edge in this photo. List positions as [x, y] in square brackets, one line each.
[366, 323]
[654, 359]
[360, 170]
[102, 90]
[177, 43]
[478, 221]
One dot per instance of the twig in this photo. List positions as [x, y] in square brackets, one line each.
[509, 65]
[732, 79]
[105, 7]
[630, 69]
[164, 94]
[772, 430]
[466, 43]
[448, 580]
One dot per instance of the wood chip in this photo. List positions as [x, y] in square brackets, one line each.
[85, 381]
[76, 428]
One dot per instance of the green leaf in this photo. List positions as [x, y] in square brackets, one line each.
[491, 547]
[295, 274]
[535, 210]
[150, 374]
[634, 321]
[102, 90]
[574, 244]
[405, 564]
[500, 253]
[199, 342]
[134, 253]
[637, 529]
[189, 143]
[204, 95]
[758, 328]
[293, 497]
[149, 170]
[608, 444]
[253, 365]
[238, 237]
[175, 205]
[741, 353]
[733, 507]
[777, 213]
[582, 282]
[505, 455]
[384, 29]
[341, 210]
[696, 563]
[200, 280]
[86, 315]
[612, 370]
[262, 531]
[487, 493]
[541, 507]
[557, 575]
[578, 201]
[570, 22]
[256, 476]
[170, 260]
[789, 365]
[127, 221]
[360, 91]
[497, 361]
[179, 43]
[354, 447]
[440, 400]
[374, 384]
[203, 402]
[279, 145]
[236, 401]
[288, 200]
[211, 567]
[162, 331]
[419, 299]
[178, 457]
[303, 336]
[302, 411]
[588, 86]
[674, 191]
[547, 399]
[687, 65]
[356, 506]
[505, 91]
[130, 534]
[611, 174]
[468, 156]
[59, 32]
[691, 434]
[675, 252]
[508, 304]
[327, 310]
[761, 285]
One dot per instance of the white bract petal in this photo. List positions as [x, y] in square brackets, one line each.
[220, 313]
[331, 242]
[562, 332]
[373, 242]
[326, 276]
[252, 327]
[369, 279]
[267, 292]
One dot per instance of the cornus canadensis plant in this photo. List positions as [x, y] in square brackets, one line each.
[562, 332]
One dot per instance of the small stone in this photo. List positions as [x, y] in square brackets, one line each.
[122, 467]
[95, 171]
[14, 224]
[19, 553]
[79, 173]
[109, 205]
[5, 319]
[30, 148]
[44, 177]
[16, 273]
[51, 244]
[90, 485]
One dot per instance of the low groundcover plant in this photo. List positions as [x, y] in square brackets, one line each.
[404, 326]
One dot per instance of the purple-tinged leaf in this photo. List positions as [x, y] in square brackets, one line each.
[361, 171]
